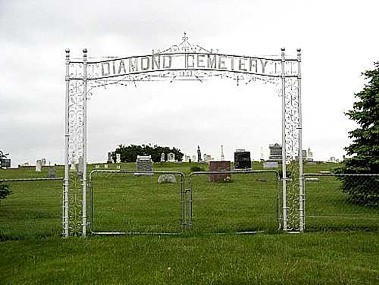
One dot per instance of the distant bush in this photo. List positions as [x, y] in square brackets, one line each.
[196, 168]
[4, 191]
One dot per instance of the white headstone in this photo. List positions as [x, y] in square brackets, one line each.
[207, 157]
[163, 157]
[118, 158]
[270, 164]
[105, 166]
[38, 166]
[171, 157]
[81, 164]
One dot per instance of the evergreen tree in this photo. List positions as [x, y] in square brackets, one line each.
[364, 149]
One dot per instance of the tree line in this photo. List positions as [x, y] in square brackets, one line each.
[129, 153]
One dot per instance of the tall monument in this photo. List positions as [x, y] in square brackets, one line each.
[222, 153]
[198, 154]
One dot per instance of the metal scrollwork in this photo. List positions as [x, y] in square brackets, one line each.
[75, 202]
[292, 136]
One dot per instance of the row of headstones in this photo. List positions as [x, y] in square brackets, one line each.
[111, 160]
[51, 170]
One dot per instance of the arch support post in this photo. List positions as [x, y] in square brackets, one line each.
[292, 154]
[66, 185]
[84, 147]
[74, 219]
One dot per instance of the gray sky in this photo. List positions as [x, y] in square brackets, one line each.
[338, 39]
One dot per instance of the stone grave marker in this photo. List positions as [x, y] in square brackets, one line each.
[219, 166]
[38, 166]
[144, 164]
[52, 173]
[270, 164]
[171, 157]
[163, 157]
[166, 178]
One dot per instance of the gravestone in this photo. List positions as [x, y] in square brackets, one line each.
[110, 159]
[275, 152]
[198, 154]
[72, 166]
[52, 173]
[207, 157]
[144, 163]
[118, 158]
[81, 165]
[242, 160]
[5, 162]
[270, 164]
[38, 166]
[219, 166]
[163, 157]
[222, 153]
[171, 157]
[166, 178]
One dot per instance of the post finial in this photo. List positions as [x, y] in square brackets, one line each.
[84, 54]
[67, 53]
[185, 38]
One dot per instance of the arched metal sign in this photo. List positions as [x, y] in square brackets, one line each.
[184, 61]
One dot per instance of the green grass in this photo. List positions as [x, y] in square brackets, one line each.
[317, 258]
[334, 250]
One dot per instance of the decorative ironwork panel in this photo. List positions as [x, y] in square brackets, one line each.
[76, 120]
[292, 143]
[75, 201]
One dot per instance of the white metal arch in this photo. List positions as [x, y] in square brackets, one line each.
[184, 61]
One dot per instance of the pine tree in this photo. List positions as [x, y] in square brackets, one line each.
[364, 149]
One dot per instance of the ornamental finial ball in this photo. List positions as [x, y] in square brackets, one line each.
[283, 49]
[299, 50]
[84, 50]
[67, 50]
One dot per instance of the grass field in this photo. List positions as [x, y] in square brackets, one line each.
[340, 246]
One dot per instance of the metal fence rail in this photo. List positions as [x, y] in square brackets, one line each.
[33, 208]
[126, 202]
[130, 202]
[329, 207]
[239, 201]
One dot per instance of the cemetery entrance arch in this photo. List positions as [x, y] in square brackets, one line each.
[184, 61]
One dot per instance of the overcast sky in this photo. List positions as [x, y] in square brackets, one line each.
[339, 40]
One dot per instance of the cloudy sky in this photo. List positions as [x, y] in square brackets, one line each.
[338, 41]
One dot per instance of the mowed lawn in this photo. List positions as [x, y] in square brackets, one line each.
[330, 252]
